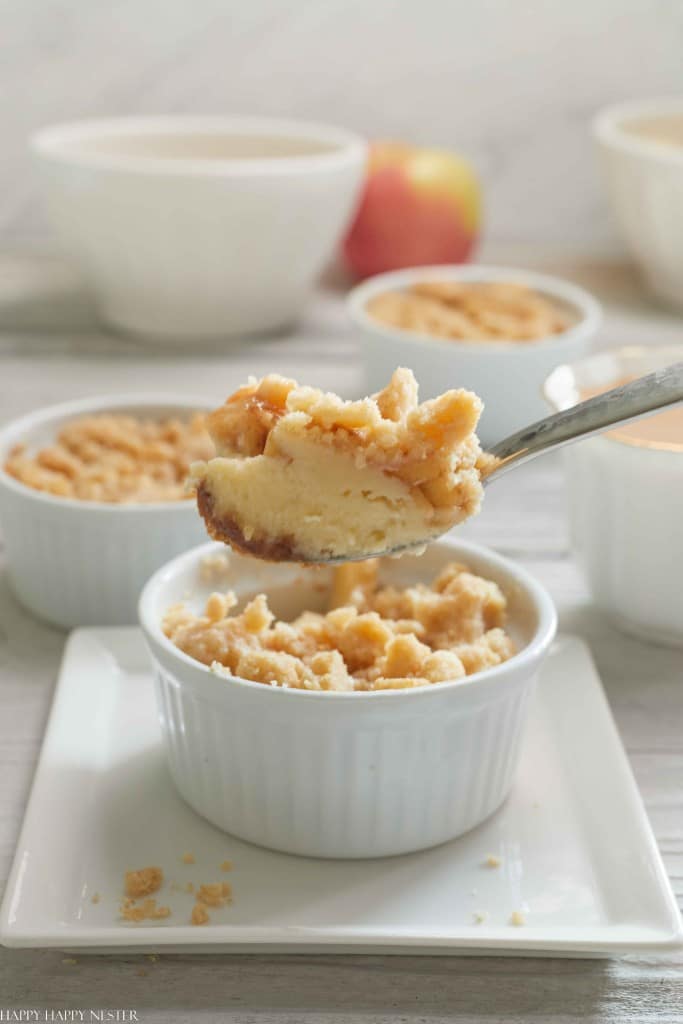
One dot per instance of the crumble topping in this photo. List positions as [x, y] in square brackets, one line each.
[115, 458]
[372, 638]
[471, 311]
[302, 473]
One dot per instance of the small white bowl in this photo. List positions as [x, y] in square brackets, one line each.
[343, 774]
[645, 184]
[508, 376]
[84, 563]
[626, 504]
[199, 226]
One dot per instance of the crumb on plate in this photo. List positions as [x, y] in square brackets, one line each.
[215, 894]
[147, 910]
[143, 882]
[200, 914]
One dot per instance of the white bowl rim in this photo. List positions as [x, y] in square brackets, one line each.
[11, 433]
[541, 640]
[588, 308]
[555, 377]
[608, 129]
[58, 143]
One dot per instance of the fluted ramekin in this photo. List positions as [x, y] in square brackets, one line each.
[83, 563]
[329, 774]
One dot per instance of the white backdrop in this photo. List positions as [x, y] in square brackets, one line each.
[512, 83]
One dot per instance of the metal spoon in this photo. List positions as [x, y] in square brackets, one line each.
[656, 392]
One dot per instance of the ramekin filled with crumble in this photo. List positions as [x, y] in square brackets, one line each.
[363, 710]
[94, 498]
[497, 331]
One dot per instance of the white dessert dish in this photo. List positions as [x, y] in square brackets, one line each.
[644, 176]
[74, 562]
[508, 376]
[625, 501]
[199, 227]
[577, 856]
[334, 774]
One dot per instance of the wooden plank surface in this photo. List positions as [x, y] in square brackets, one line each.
[523, 517]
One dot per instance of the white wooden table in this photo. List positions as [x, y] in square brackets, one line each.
[524, 518]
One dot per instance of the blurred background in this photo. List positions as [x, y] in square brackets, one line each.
[511, 85]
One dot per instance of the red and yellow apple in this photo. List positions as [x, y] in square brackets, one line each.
[419, 206]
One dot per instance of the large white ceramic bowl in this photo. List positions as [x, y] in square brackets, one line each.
[626, 503]
[199, 227]
[84, 563]
[330, 774]
[508, 376]
[645, 185]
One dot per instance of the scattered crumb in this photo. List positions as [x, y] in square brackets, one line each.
[143, 882]
[141, 972]
[480, 916]
[145, 911]
[517, 918]
[216, 895]
[492, 861]
[200, 914]
[95, 898]
[189, 887]
[214, 568]
[226, 865]
[70, 960]
[188, 858]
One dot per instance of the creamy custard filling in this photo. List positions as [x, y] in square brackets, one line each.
[304, 476]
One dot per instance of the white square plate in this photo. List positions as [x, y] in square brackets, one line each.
[578, 858]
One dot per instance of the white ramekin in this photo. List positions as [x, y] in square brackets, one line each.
[78, 563]
[626, 505]
[645, 184]
[508, 376]
[343, 774]
[194, 245]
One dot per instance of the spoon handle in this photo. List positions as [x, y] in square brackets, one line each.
[653, 393]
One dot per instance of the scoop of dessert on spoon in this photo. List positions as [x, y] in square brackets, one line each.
[304, 476]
